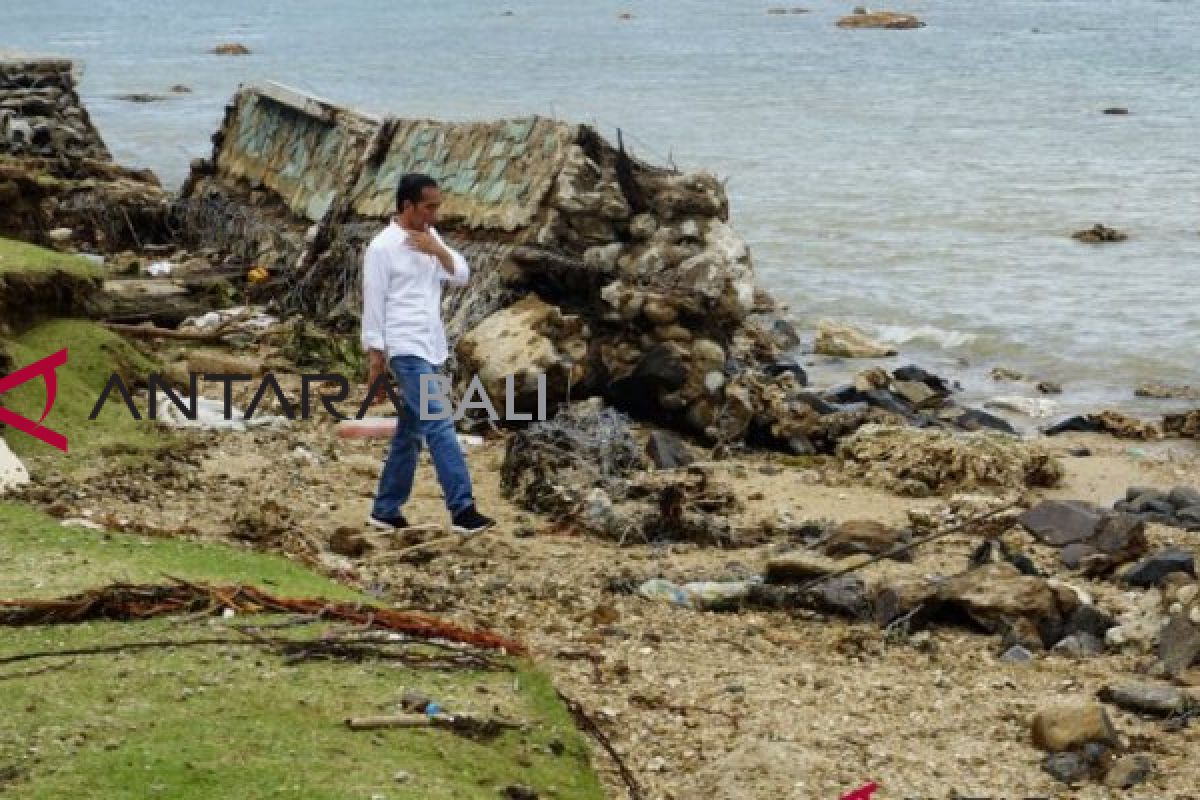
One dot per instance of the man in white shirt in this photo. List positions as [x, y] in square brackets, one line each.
[404, 268]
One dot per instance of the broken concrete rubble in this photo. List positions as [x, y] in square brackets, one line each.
[633, 258]
[55, 170]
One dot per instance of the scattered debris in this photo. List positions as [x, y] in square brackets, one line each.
[12, 471]
[128, 602]
[468, 725]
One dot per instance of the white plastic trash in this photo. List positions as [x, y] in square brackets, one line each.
[12, 471]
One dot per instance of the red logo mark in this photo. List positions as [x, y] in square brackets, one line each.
[46, 368]
[863, 792]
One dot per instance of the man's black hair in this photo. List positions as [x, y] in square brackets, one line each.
[411, 187]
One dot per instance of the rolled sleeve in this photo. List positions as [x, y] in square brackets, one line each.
[374, 299]
[462, 272]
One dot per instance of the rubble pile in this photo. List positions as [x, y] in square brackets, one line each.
[617, 278]
[56, 174]
[613, 277]
[920, 462]
[583, 467]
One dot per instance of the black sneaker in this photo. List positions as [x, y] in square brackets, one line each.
[469, 521]
[396, 523]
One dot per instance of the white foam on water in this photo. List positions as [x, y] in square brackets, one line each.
[931, 334]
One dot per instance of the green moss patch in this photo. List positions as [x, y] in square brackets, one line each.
[36, 283]
[93, 354]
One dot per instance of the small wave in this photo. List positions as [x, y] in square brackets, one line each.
[903, 334]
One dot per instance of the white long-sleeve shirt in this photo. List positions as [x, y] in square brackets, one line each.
[402, 296]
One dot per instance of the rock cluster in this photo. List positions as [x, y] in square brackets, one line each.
[41, 115]
[921, 462]
[1179, 507]
[1185, 425]
[1100, 233]
[862, 18]
[1111, 422]
[56, 174]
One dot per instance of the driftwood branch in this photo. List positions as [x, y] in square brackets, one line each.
[154, 332]
[591, 728]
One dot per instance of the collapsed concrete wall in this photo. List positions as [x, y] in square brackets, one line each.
[613, 276]
[55, 170]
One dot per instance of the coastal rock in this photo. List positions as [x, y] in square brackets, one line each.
[1070, 726]
[1091, 537]
[866, 536]
[915, 373]
[1179, 640]
[231, 49]
[918, 395]
[139, 97]
[1160, 701]
[799, 566]
[893, 20]
[843, 341]
[974, 419]
[1182, 497]
[1068, 768]
[1099, 233]
[1129, 771]
[911, 460]
[1185, 425]
[525, 340]
[1151, 570]
[1006, 374]
[1079, 645]
[1163, 391]
[1113, 423]
[997, 597]
[1049, 387]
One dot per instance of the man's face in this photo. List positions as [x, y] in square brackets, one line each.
[425, 213]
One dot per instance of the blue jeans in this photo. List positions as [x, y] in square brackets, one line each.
[396, 480]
